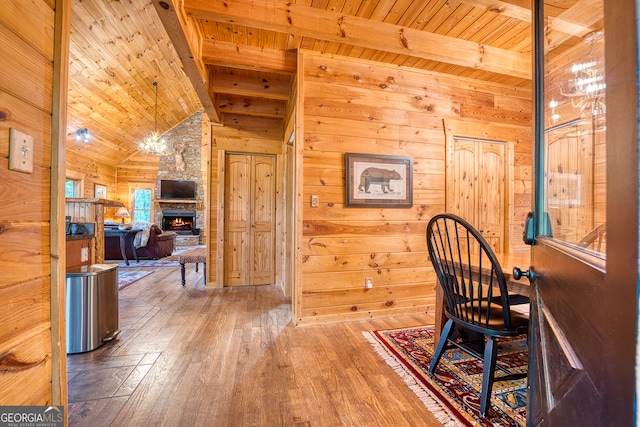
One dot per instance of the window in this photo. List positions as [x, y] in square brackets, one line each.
[72, 188]
[142, 205]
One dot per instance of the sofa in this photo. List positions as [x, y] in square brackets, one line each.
[158, 245]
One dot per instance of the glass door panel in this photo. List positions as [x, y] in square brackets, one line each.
[575, 120]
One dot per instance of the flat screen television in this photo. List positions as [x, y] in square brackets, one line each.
[177, 189]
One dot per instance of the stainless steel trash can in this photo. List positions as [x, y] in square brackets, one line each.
[92, 306]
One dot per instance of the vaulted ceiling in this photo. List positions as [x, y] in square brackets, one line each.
[239, 56]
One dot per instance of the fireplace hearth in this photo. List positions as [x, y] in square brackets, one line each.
[179, 220]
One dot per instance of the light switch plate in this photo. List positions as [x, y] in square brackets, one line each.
[20, 152]
[314, 201]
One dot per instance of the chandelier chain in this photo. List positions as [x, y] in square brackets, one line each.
[153, 144]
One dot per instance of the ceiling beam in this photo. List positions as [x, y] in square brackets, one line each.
[298, 20]
[177, 27]
[251, 106]
[248, 57]
[584, 17]
[243, 86]
[502, 8]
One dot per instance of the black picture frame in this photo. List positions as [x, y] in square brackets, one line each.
[376, 180]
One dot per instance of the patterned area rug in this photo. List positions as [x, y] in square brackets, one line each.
[162, 262]
[125, 278]
[453, 393]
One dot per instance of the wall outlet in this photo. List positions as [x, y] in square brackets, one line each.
[314, 201]
[368, 283]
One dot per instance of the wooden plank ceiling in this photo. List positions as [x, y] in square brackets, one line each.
[239, 56]
[117, 50]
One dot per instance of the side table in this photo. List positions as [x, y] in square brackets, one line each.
[124, 236]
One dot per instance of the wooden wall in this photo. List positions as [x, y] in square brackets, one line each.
[32, 338]
[140, 171]
[369, 107]
[91, 172]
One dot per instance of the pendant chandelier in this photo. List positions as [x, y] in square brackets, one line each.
[586, 87]
[153, 144]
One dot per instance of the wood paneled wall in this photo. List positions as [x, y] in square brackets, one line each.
[91, 172]
[138, 172]
[32, 334]
[369, 107]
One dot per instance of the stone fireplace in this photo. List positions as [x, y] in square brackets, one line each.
[183, 162]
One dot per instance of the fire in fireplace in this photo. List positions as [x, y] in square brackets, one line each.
[180, 221]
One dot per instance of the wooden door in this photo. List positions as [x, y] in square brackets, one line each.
[569, 179]
[584, 301]
[249, 220]
[476, 187]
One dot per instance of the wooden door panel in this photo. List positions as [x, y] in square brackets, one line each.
[569, 181]
[263, 189]
[491, 193]
[464, 193]
[491, 188]
[236, 254]
[263, 272]
[567, 343]
[236, 185]
[236, 260]
[237, 220]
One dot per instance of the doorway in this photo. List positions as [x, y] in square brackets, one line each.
[249, 200]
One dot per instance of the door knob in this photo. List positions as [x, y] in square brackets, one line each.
[518, 273]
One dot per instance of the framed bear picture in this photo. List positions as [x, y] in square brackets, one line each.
[374, 180]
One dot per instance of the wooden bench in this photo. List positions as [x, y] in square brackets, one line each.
[197, 255]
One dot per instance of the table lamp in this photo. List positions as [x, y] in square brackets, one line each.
[122, 212]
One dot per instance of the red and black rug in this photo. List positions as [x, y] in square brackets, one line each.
[452, 394]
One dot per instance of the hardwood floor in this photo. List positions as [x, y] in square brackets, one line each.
[231, 357]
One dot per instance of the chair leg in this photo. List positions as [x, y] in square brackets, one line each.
[447, 331]
[489, 362]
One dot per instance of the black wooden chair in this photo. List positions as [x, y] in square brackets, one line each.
[479, 305]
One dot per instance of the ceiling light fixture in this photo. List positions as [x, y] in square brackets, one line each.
[83, 135]
[153, 144]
